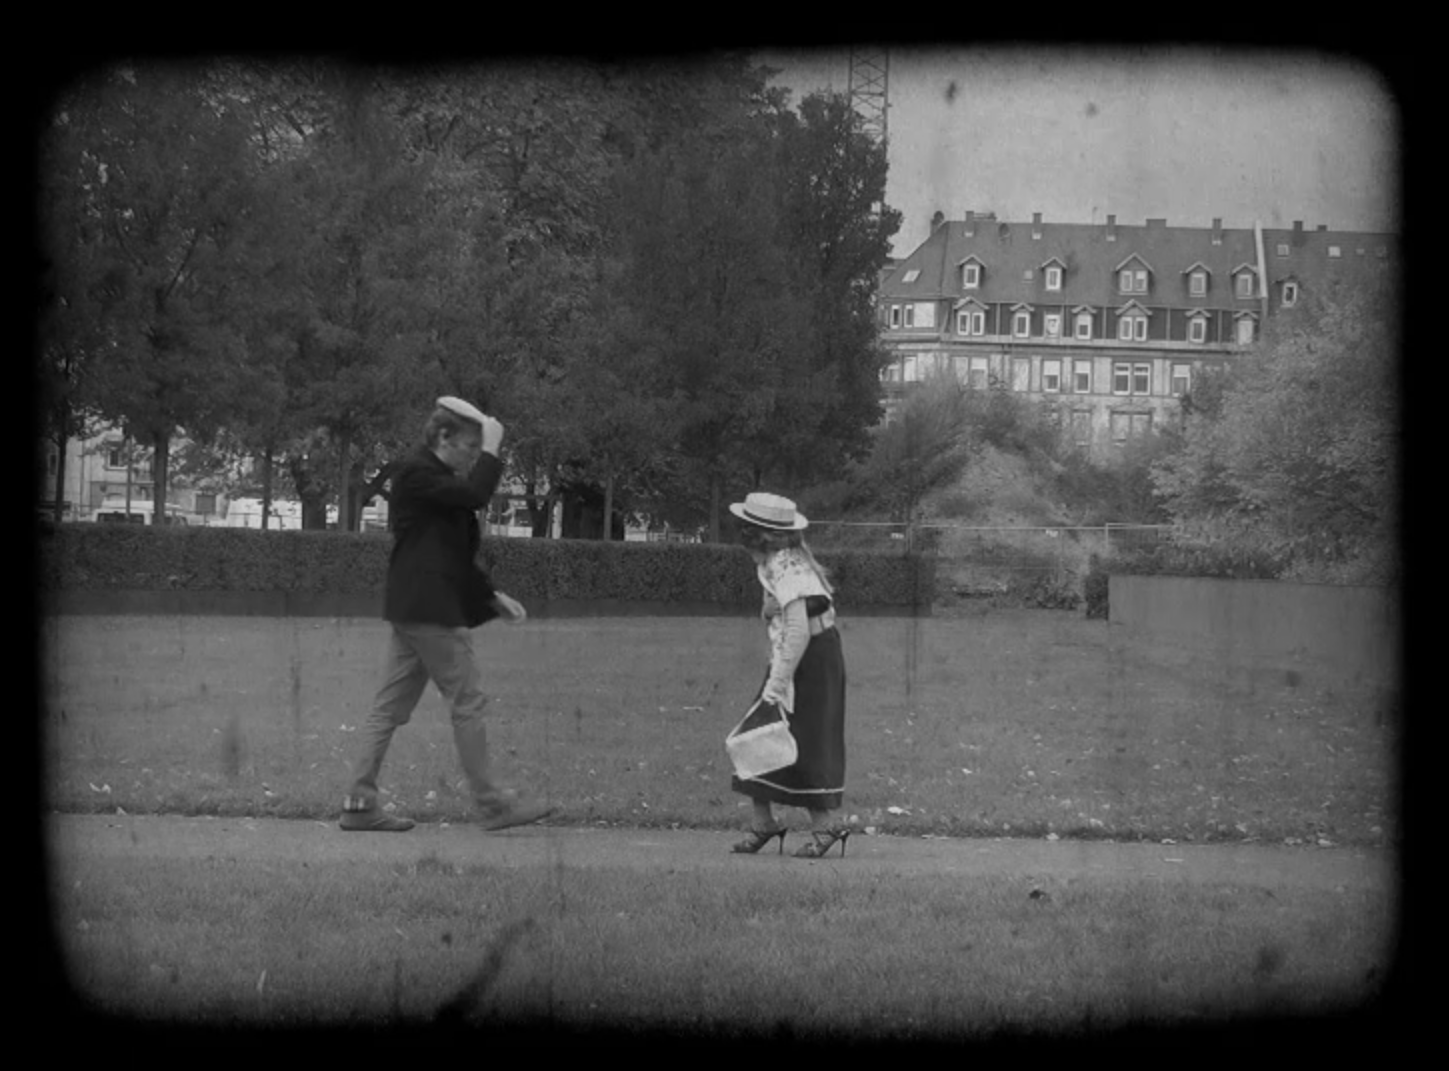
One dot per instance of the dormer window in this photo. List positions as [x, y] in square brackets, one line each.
[971, 275]
[1197, 283]
[1244, 283]
[1197, 329]
[1052, 325]
[1334, 251]
[1084, 325]
[1054, 278]
[895, 316]
[1290, 295]
[1132, 327]
[970, 322]
[1282, 249]
[910, 316]
[1021, 324]
[1132, 281]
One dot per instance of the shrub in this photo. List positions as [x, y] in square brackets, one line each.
[95, 557]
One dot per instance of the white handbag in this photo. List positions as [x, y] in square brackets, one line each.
[762, 741]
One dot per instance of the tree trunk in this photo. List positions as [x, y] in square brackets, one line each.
[344, 486]
[609, 507]
[357, 496]
[714, 496]
[314, 501]
[266, 485]
[160, 460]
[60, 476]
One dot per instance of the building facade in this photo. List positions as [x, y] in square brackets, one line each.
[98, 471]
[1107, 325]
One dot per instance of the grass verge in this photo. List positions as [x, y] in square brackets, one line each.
[819, 950]
[1018, 723]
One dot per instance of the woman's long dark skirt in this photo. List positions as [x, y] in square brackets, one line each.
[817, 780]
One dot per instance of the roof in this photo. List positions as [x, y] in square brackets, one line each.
[1007, 252]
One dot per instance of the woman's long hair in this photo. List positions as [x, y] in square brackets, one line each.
[780, 540]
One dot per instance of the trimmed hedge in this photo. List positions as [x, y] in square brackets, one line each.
[96, 557]
[1168, 559]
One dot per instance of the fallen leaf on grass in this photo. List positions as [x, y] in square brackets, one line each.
[261, 983]
[1052, 836]
[897, 810]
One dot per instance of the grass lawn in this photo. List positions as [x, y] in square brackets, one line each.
[825, 949]
[1020, 723]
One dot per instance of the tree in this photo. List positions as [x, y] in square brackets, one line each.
[150, 184]
[923, 448]
[1300, 459]
[838, 230]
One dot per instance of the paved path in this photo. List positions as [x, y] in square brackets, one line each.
[265, 840]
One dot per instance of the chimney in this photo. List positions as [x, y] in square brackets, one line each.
[1036, 225]
[970, 223]
[1297, 227]
[936, 221]
[1111, 228]
[1217, 230]
[1157, 223]
[1323, 226]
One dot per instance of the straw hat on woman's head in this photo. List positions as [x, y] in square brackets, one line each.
[771, 512]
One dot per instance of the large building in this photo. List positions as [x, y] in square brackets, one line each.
[1106, 324]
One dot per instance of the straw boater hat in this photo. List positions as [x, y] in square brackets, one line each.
[461, 408]
[771, 512]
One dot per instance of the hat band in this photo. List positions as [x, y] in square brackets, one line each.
[767, 521]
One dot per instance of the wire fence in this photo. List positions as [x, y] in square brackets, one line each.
[972, 561]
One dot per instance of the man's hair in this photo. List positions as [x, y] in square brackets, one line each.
[443, 420]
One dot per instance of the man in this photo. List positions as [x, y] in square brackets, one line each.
[436, 592]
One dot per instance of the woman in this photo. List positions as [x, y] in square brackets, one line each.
[806, 677]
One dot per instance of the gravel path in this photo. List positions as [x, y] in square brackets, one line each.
[264, 840]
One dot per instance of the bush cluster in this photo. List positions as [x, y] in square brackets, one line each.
[125, 558]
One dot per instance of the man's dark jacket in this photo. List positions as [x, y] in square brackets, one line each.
[433, 577]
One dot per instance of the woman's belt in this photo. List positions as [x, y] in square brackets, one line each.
[821, 623]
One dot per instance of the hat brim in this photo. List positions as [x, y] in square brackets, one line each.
[800, 524]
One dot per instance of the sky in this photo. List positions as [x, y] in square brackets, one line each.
[1183, 135]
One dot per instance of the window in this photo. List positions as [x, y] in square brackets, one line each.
[1282, 249]
[1140, 278]
[909, 372]
[1021, 324]
[1054, 278]
[1245, 331]
[1084, 325]
[1121, 379]
[1082, 377]
[925, 314]
[1127, 426]
[1053, 325]
[1082, 427]
[1245, 285]
[910, 316]
[1290, 294]
[1197, 283]
[115, 456]
[970, 323]
[895, 316]
[911, 276]
[1141, 379]
[1051, 375]
[1334, 251]
[1132, 327]
[978, 373]
[1124, 281]
[1020, 374]
[1197, 329]
[1181, 379]
[971, 276]
[891, 373]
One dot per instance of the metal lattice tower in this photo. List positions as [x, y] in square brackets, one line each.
[868, 89]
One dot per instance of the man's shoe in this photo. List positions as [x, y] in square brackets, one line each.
[507, 815]
[374, 822]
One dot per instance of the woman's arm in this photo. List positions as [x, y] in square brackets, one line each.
[788, 650]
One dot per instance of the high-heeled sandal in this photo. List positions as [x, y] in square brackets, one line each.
[822, 840]
[757, 839]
